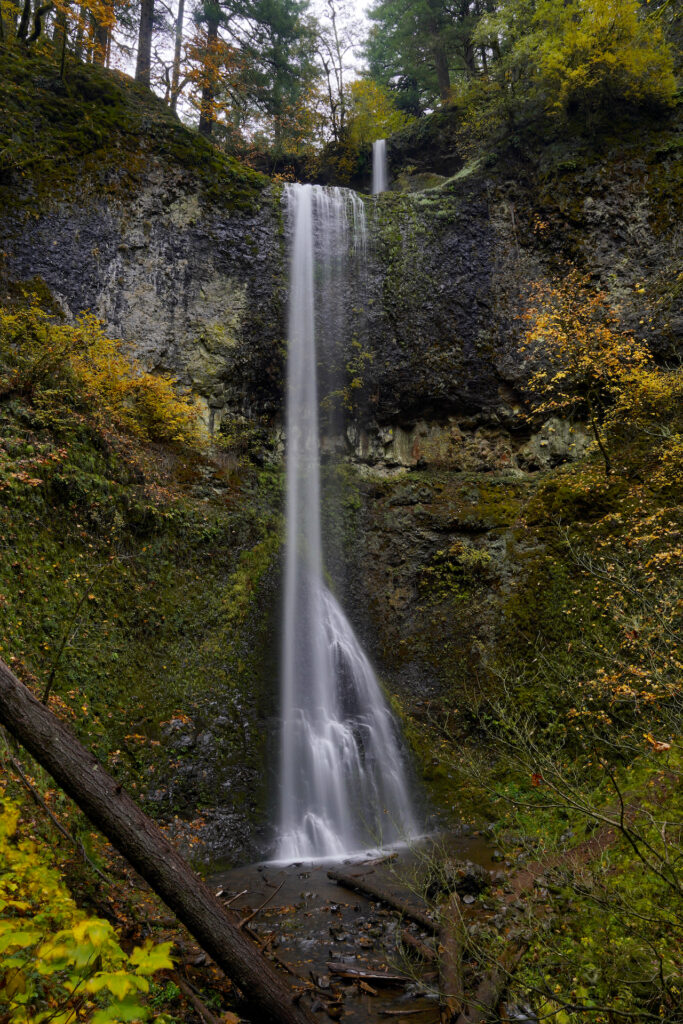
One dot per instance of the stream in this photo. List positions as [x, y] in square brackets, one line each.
[311, 922]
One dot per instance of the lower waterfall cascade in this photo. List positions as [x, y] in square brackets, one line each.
[343, 777]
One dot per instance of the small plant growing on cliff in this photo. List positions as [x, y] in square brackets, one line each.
[43, 359]
[451, 570]
[585, 361]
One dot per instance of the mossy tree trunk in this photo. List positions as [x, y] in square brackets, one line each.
[443, 77]
[100, 41]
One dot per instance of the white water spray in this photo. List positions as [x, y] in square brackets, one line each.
[380, 173]
[342, 775]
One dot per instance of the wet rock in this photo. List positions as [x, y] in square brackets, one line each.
[193, 287]
[557, 442]
[463, 877]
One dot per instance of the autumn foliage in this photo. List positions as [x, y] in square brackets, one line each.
[57, 963]
[582, 361]
[41, 356]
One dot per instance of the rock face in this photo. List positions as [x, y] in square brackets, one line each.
[197, 285]
[466, 444]
[194, 288]
[199, 290]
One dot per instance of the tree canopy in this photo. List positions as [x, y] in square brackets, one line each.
[278, 77]
[562, 54]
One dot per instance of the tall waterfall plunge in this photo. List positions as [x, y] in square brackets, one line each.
[342, 776]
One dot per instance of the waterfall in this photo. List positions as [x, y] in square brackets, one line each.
[380, 174]
[343, 781]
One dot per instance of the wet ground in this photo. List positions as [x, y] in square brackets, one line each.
[314, 927]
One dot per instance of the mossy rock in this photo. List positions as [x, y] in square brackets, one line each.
[96, 132]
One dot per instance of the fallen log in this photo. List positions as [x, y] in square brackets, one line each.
[356, 974]
[418, 946]
[380, 895]
[492, 987]
[453, 939]
[143, 844]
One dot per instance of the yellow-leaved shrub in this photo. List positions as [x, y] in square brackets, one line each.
[46, 359]
[57, 963]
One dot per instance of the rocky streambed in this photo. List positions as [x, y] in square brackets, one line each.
[364, 940]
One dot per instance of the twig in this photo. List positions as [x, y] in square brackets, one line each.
[356, 974]
[229, 902]
[250, 917]
[68, 634]
[55, 821]
[191, 996]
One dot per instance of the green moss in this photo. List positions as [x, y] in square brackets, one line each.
[142, 600]
[33, 291]
[568, 499]
[97, 132]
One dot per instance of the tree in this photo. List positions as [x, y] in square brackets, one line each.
[253, 68]
[87, 30]
[210, 56]
[667, 15]
[337, 37]
[569, 57]
[177, 55]
[144, 60]
[279, 44]
[584, 360]
[590, 56]
[373, 115]
[418, 47]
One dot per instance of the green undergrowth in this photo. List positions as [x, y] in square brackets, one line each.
[601, 829]
[567, 735]
[134, 576]
[57, 962]
[557, 591]
[98, 131]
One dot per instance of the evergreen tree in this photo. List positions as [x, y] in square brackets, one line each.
[254, 66]
[279, 45]
[418, 47]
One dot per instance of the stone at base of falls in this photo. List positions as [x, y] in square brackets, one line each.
[463, 877]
